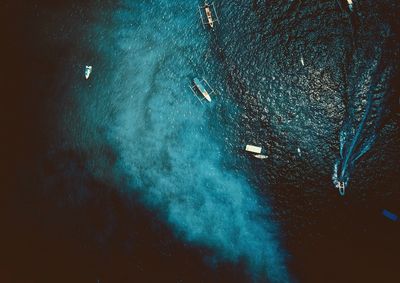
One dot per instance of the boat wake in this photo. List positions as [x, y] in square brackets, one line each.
[366, 103]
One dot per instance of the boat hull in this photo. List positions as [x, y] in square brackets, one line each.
[199, 85]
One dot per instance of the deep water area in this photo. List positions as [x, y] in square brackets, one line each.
[127, 177]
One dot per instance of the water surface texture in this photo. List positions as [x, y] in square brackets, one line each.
[141, 180]
[167, 144]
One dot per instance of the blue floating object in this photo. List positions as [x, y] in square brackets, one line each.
[390, 215]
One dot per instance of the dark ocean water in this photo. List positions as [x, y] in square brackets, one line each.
[125, 177]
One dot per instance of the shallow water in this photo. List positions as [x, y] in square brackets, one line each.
[135, 127]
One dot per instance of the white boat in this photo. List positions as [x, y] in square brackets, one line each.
[88, 70]
[350, 2]
[260, 156]
[341, 187]
[256, 151]
[302, 60]
[202, 86]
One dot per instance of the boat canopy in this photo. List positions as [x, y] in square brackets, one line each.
[202, 86]
[199, 85]
[253, 148]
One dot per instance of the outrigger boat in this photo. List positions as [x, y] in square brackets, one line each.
[203, 87]
[206, 16]
[256, 151]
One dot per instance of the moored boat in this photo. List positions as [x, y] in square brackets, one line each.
[202, 86]
[88, 71]
[199, 85]
[256, 151]
[208, 14]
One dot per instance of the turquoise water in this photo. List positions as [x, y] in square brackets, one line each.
[295, 77]
[177, 153]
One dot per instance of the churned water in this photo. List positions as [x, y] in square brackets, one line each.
[312, 82]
